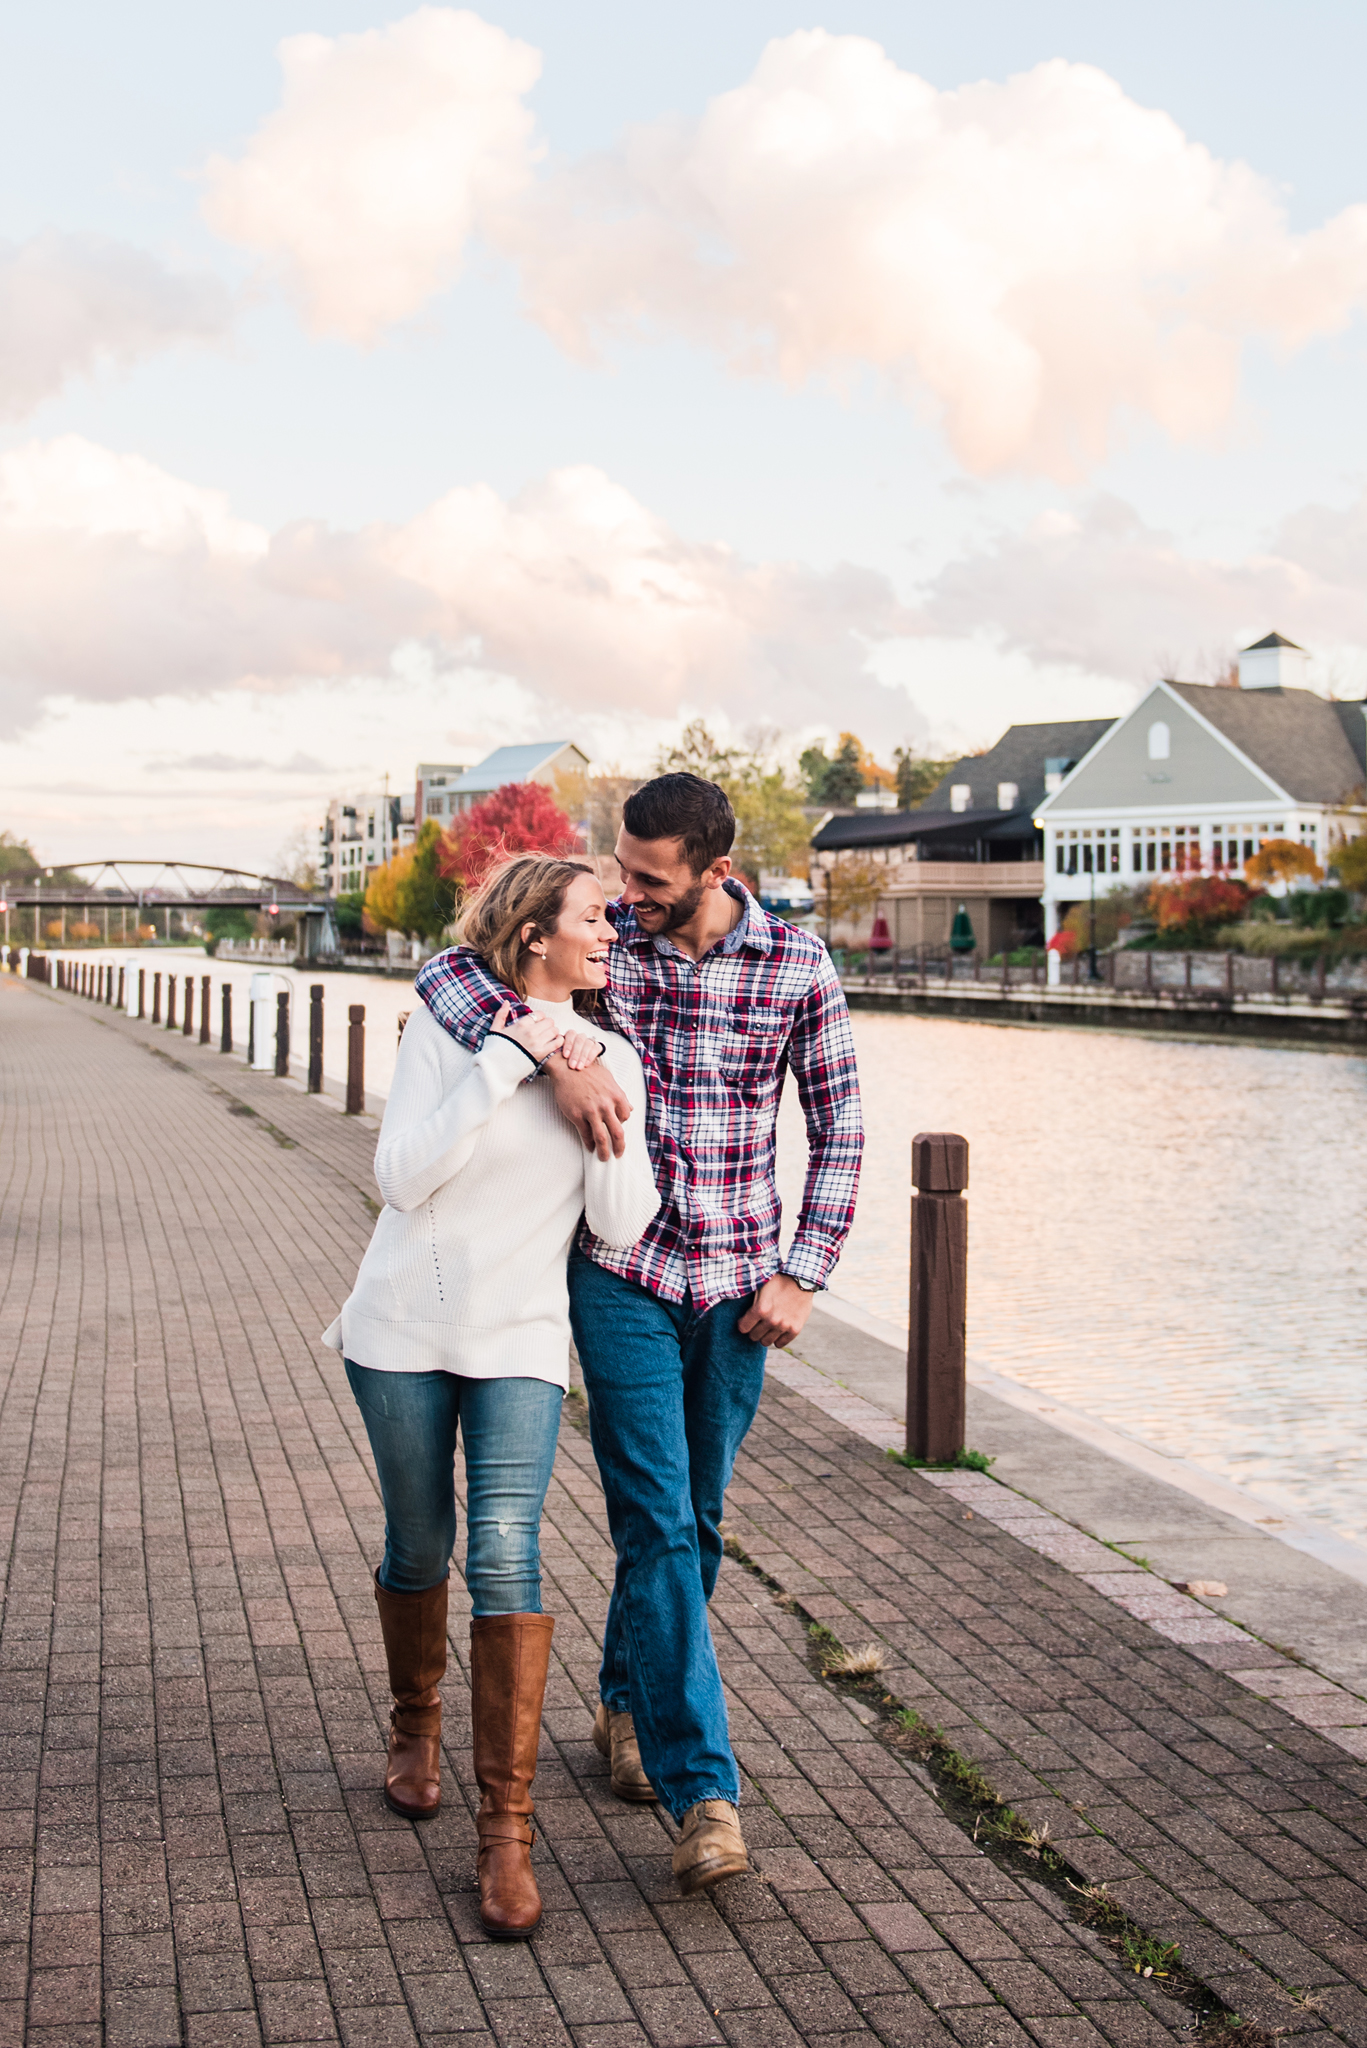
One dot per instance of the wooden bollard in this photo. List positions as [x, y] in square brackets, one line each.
[282, 1036]
[355, 1059]
[156, 999]
[225, 1043]
[316, 1038]
[187, 1027]
[121, 1004]
[205, 994]
[170, 1002]
[142, 992]
[939, 1286]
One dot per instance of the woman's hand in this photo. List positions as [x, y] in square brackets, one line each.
[536, 1035]
[579, 1050]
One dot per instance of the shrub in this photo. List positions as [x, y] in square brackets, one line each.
[1191, 912]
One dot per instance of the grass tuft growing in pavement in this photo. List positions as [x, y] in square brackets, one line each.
[962, 1461]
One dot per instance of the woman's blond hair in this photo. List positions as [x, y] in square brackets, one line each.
[528, 889]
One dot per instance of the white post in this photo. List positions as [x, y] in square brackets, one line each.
[261, 996]
[130, 987]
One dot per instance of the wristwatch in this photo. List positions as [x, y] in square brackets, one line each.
[807, 1286]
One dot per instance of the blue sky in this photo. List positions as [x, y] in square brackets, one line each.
[838, 544]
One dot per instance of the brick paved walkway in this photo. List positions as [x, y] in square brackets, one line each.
[192, 1700]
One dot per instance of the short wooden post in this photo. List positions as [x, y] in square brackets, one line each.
[187, 1025]
[939, 1279]
[170, 1002]
[142, 992]
[1186, 978]
[205, 993]
[1276, 974]
[1229, 974]
[355, 1059]
[1006, 972]
[316, 1038]
[282, 1036]
[1148, 973]
[122, 1003]
[225, 1042]
[1319, 980]
[156, 999]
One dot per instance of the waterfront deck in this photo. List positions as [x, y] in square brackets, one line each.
[192, 1689]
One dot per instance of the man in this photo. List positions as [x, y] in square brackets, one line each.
[720, 999]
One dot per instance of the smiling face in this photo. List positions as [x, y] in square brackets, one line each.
[659, 884]
[575, 954]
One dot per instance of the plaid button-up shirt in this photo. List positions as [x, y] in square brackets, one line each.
[716, 1037]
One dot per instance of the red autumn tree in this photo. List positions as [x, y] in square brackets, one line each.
[521, 817]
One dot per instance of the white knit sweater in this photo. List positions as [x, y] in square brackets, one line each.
[484, 1184]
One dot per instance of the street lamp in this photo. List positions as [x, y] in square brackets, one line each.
[1092, 974]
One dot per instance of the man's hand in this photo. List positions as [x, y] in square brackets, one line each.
[777, 1313]
[593, 1103]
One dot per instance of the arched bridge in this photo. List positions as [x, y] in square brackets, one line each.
[104, 892]
[156, 885]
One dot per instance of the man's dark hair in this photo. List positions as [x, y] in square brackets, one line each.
[683, 807]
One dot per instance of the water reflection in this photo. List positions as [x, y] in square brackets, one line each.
[1167, 1235]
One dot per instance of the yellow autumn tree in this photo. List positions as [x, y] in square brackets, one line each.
[1282, 860]
[384, 894]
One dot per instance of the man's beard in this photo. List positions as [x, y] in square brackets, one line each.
[680, 913]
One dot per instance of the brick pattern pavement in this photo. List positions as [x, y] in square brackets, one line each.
[192, 1698]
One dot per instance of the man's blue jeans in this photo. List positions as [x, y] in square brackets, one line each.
[509, 1429]
[671, 1395]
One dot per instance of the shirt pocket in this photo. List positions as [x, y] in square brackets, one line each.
[751, 1050]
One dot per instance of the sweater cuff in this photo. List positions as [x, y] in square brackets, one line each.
[505, 1064]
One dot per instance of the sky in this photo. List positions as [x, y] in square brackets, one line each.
[380, 386]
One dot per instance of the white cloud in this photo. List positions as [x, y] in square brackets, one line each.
[387, 149]
[70, 304]
[1103, 592]
[1039, 261]
[118, 581]
[1039, 257]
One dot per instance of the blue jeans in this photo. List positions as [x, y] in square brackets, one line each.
[671, 1395]
[509, 1430]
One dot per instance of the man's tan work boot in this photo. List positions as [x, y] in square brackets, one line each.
[614, 1737]
[711, 1846]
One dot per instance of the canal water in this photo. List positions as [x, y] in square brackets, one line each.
[1167, 1235]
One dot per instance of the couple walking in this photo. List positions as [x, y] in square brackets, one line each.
[623, 1068]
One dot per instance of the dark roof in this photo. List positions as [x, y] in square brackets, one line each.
[1019, 756]
[902, 828]
[1271, 640]
[1302, 741]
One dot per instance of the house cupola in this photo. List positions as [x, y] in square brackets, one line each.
[1273, 664]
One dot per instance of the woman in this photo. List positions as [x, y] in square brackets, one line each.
[460, 1316]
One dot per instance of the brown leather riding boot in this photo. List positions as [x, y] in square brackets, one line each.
[508, 1658]
[414, 1629]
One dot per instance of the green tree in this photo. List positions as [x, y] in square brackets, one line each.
[917, 776]
[772, 835]
[349, 910]
[839, 778]
[225, 921]
[426, 898]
